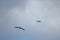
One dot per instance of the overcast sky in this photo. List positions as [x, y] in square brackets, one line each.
[25, 13]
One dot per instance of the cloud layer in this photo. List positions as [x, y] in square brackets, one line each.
[26, 15]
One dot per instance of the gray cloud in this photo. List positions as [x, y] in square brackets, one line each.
[25, 14]
[48, 12]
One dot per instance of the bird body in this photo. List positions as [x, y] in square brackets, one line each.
[38, 21]
[19, 28]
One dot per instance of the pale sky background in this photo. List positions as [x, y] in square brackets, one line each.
[25, 13]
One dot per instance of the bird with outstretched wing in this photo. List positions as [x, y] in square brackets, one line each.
[38, 21]
[19, 27]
